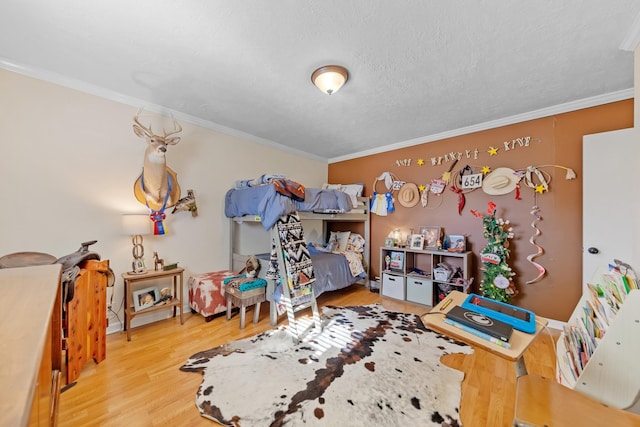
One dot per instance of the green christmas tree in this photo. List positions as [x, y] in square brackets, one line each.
[497, 282]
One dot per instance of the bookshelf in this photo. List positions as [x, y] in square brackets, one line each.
[598, 351]
[413, 274]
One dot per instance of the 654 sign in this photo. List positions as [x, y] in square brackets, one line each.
[471, 181]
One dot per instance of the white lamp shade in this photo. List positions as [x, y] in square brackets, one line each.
[330, 78]
[136, 224]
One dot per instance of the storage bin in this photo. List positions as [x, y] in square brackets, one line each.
[420, 290]
[442, 274]
[393, 286]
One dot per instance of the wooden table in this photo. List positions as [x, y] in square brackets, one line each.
[520, 341]
[539, 401]
[130, 279]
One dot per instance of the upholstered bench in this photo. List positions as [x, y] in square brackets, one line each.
[242, 297]
[206, 293]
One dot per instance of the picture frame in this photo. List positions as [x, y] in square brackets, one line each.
[396, 261]
[455, 243]
[145, 298]
[431, 236]
[389, 242]
[417, 241]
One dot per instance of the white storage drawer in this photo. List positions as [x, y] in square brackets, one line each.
[420, 290]
[393, 286]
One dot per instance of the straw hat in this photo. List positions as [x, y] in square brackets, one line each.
[409, 195]
[500, 181]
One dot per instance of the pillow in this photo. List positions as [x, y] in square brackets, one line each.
[356, 243]
[354, 191]
[339, 239]
[331, 186]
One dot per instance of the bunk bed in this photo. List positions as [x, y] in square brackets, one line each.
[253, 211]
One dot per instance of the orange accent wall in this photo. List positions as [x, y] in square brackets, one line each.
[555, 140]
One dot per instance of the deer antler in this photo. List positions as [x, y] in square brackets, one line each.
[176, 126]
[146, 130]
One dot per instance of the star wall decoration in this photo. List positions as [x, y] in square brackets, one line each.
[492, 151]
[421, 188]
[485, 170]
[540, 189]
[420, 162]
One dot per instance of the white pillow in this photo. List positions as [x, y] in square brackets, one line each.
[339, 239]
[356, 243]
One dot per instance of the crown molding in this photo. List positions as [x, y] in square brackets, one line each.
[537, 114]
[127, 100]
[101, 92]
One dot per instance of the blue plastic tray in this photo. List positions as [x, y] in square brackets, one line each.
[521, 319]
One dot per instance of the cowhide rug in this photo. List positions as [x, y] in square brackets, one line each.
[369, 367]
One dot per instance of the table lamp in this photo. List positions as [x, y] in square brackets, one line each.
[136, 225]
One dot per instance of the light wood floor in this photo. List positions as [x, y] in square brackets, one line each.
[140, 384]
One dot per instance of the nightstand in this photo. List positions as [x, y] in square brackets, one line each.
[176, 302]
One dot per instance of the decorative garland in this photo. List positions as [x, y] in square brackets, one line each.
[541, 270]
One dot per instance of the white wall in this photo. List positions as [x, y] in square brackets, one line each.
[68, 161]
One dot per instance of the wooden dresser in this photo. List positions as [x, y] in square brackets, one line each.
[30, 345]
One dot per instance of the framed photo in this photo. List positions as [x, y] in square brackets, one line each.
[455, 243]
[396, 261]
[417, 241]
[145, 298]
[389, 242]
[431, 236]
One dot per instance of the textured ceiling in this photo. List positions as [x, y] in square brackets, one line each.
[417, 68]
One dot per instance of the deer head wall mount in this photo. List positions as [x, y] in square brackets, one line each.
[157, 187]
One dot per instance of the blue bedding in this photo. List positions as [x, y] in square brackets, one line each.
[331, 272]
[266, 202]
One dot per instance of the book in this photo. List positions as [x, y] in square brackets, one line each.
[480, 322]
[477, 333]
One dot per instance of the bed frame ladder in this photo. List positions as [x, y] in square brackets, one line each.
[296, 275]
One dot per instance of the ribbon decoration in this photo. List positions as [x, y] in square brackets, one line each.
[158, 216]
[461, 198]
[457, 188]
[424, 198]
[541, 270]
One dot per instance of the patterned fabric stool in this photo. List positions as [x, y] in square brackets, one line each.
[206, 293]
[236, 295]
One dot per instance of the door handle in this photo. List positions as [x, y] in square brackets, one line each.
[593, 250]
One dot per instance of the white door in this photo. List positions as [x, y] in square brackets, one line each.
[611, 169]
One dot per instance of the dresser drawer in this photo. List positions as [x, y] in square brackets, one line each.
[420, 290]
[393, 286]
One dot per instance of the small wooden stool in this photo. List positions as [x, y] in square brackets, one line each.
[244, 299]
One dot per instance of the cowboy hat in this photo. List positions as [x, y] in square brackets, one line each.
[409, 195]
[500, 181]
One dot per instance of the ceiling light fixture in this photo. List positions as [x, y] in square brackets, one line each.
[330, 78]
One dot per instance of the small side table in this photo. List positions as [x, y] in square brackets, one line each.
[175, 302]
[520, 341]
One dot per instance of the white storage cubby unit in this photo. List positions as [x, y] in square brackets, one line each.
[610, 374]
[410, 274]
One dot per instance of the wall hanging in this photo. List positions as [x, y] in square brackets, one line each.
[157, 187]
